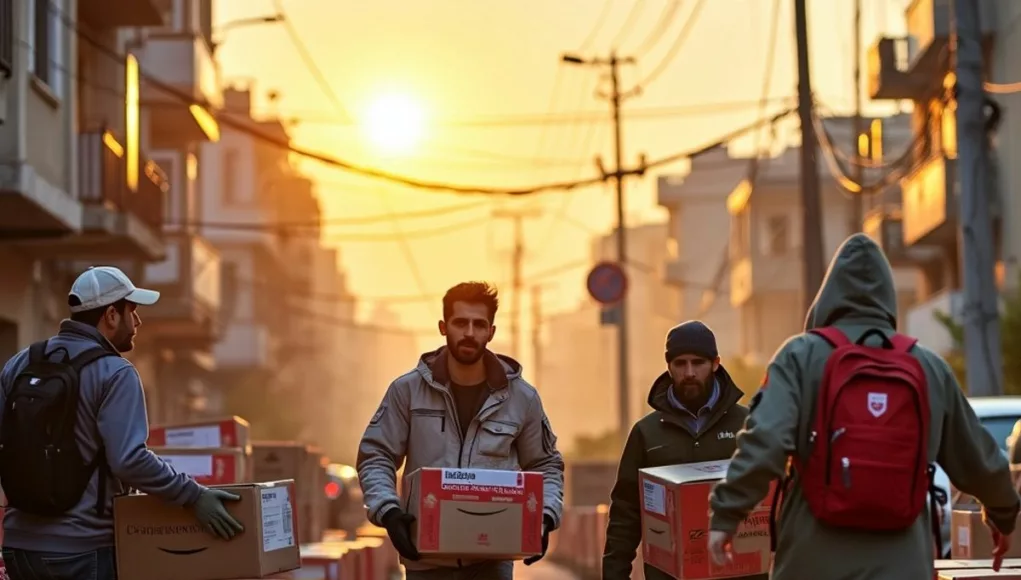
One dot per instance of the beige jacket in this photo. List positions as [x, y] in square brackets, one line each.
[417, 425]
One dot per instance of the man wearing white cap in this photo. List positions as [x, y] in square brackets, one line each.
[73, 429]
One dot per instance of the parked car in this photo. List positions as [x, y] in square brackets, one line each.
[998, 416]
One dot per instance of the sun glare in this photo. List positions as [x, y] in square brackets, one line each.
[394, 123]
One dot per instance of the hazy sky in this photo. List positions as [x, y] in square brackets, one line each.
[488, 75]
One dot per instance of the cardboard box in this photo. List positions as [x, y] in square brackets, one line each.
[218, 433]
[159, 541]
[321, 562]
[209, 466]
[475, 513]
[675, 523]
[970, 538]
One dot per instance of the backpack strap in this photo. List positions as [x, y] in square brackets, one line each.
[89, 356]
[903, 343]
[79, 362]
[37, 352]
[832, 335]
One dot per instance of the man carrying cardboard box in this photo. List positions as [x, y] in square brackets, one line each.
[860, 420]
[72, 436]
[695, 418]
[462, 407]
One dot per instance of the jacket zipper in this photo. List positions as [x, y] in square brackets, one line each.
[475, 436]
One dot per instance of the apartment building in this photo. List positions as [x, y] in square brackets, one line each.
[697, 245]
[78, 185]
[765, 248]
[924, 231]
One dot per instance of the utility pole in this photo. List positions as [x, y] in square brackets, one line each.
[517, 216]
[537, 334]
[616, 97]
[811, 205]
[983, 357]
[857, 200]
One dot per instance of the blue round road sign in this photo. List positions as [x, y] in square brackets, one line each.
[607, 283]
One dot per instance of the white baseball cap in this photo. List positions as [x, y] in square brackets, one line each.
[104, 285]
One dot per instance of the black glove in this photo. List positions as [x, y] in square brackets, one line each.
[547, 527]
[398, 527]
[213, 515]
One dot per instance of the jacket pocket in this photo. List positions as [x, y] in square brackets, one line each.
[434, 420]
[496, 438]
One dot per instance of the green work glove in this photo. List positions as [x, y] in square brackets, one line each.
[211, 513]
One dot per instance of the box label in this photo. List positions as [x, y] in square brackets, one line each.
[193, 465]
[277, 519]
[482, 477]
[654, 497]
[193, 436]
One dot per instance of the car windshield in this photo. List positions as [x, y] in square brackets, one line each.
[1000, 428]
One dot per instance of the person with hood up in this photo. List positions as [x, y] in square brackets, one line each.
[695, 417]
[462, 406]
[857, 297]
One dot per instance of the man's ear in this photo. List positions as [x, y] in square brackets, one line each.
[492, 332]
[716, 364]
[442, 325]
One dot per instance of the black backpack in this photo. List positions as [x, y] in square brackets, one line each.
[41, 466]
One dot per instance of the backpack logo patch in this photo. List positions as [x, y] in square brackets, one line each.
[877, 404]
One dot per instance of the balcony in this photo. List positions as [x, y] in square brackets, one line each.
[117, 221]
[245, 346]
[189, 284]
[187, 86]
[930, 203]
[119, 13]
[887, 70]
[751, 275]
[929, 25]
[885, 225]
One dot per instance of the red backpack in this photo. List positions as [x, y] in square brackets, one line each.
[867, 467]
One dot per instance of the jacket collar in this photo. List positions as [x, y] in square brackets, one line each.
[496, 374]
[74, 329]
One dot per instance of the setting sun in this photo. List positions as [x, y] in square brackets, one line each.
[394, 123]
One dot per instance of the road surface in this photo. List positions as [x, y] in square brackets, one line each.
[542, 571]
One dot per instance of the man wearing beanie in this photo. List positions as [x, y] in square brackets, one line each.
[695, 417]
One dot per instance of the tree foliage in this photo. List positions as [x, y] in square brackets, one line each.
[1010, 342]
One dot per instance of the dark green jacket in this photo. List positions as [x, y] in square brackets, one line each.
[857, 294]
[663, 438]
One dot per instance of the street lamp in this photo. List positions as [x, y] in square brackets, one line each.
[572, 59]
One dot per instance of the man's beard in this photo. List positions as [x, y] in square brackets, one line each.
[469, 358]
[124, 340]
[693, 390]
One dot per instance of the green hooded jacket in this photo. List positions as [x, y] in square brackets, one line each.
[857, 294]
[663, 438]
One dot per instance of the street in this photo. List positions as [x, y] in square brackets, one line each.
[542, 571]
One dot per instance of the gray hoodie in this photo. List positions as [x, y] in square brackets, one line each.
[111, 413]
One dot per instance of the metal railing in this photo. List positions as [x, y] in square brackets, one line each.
[102, 179]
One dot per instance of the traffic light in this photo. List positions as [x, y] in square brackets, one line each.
[332, 490]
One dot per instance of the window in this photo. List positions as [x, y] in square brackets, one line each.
[6, 37]
[778, 240]
[228, 289]
[171, 206]
[46, 27]
[231, 187]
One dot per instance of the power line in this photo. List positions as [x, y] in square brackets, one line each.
[629, 22]
[358, 220]
[310, 63]
[314, 232]
[597, 27]
[675, 48]
[541, 119]
[665, 19]
[247, 128]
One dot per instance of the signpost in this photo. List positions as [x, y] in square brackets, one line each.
[607, 283]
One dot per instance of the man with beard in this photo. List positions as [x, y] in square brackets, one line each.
[462, 406]
[695, 417]
[40, 539]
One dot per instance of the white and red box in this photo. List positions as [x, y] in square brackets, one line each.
[475, 513]
[213, 433]
[675, 524]
[208, 466]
